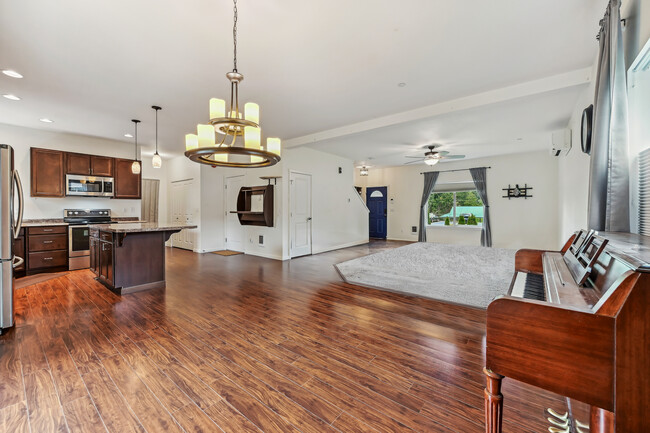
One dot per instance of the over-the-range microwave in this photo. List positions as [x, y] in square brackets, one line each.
[94, 186]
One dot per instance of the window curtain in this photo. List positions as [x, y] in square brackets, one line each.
[609, 170]
[430, 179]
[479, 178]
[149, 203]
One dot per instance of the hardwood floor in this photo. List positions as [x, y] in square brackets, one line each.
[245, 344]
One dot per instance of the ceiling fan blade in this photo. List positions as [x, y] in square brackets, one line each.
[413, 162]
[454, 157]
[443, 152]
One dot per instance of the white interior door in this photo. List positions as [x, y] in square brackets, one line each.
[234, 230]
[300, 215]
[182, 212]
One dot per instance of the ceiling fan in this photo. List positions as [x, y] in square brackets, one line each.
[432, 157]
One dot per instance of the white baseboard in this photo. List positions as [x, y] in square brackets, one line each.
[338, 247]
[266, 256]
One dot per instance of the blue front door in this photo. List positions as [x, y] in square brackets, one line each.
[377, 204]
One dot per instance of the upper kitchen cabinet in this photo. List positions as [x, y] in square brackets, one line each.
[47, 173]
[127, 184]
[89, 165]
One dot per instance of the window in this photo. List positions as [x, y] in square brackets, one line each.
[455, 209]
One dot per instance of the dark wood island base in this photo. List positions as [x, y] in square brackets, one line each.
[129, 258]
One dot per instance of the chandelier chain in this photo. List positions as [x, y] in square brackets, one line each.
[234, 34]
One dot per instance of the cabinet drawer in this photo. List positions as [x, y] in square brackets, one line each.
[106, 236]
[47, 230]
[48, 242]
[48, 259]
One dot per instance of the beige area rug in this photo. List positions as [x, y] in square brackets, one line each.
[35, 279]
[451, 273]
[227, 253]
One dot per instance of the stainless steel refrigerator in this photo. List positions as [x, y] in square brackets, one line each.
[11, 218]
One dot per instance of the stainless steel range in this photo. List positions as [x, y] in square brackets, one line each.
[78, 236]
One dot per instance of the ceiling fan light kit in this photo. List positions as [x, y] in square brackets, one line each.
[213, 144]
[432, 157]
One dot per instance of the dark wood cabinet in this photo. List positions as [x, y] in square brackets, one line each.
[82, 164]
[77, 163]
[127, 184]
[101, 166]
[106, 271]
[47, 249]
[47, 177]
[93, 241]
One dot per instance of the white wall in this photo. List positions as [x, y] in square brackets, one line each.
[21, 139]
[516, 223]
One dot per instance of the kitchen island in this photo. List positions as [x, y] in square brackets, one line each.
[130, 257]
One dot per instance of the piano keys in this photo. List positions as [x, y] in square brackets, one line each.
[574, 322]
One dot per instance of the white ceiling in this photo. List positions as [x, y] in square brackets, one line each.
[311, 65]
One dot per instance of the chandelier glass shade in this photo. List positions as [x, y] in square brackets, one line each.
[232, 138]
[135, 167]
[363, 171]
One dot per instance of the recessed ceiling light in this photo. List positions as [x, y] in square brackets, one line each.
[128, 135]
[12, 97]
[401, 85]
[11, 73]
[46, 120]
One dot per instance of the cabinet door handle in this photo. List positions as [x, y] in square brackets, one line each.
[47, 242]
[48, 258]
[47, 230]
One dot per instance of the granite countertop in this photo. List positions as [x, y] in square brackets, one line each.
[44, 222]
[60, 222]
[141, 227]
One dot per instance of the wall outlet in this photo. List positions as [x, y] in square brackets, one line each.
[261, 239]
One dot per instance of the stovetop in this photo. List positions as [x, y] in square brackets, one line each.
[87, 216]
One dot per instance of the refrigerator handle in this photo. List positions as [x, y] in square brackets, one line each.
[17, 261]
[21, 204]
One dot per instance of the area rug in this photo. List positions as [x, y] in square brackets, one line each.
[460, 274]
[227, 252]
[19, 283]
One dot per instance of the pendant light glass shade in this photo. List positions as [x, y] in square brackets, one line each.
[156, 161]
[135, 167]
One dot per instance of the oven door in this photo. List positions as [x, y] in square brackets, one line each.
[78, 241]
[84, 185]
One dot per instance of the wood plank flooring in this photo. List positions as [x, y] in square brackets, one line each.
[245, 344]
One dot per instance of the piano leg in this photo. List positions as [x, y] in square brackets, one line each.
[602, 421]
[493, 402]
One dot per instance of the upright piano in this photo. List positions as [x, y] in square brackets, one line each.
[576, 322]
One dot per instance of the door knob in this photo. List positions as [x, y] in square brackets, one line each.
[309, 219]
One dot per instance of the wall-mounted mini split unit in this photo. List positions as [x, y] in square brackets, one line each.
[561, 142]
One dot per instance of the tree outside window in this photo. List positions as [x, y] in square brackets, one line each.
[455, 208]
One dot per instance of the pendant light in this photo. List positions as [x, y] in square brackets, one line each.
[156, 161]
[214, 143]
[135, 167]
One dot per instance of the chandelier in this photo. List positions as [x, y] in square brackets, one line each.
[218, 143]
